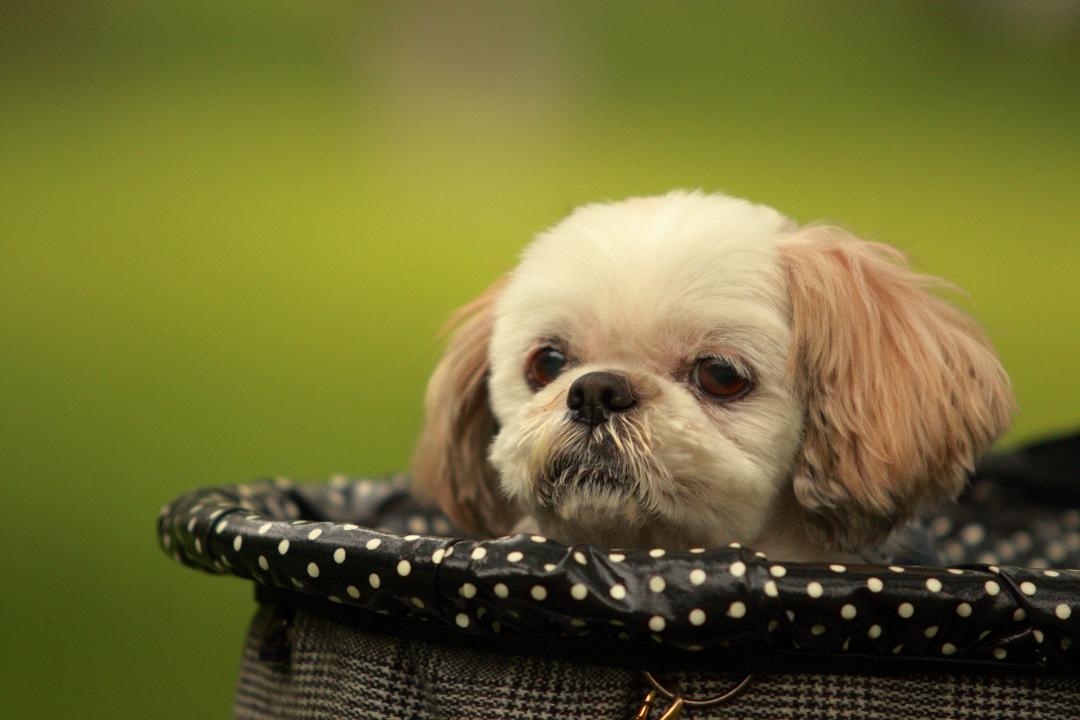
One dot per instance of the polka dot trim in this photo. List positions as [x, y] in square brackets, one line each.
[705, 598]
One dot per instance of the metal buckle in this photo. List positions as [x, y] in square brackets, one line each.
[679, 701]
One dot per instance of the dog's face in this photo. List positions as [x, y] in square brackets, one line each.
[691, 370]
[638, 365]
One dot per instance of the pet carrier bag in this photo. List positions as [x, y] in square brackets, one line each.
[371, 607]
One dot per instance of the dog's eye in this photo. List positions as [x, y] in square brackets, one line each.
[720, 379]
[544, 365]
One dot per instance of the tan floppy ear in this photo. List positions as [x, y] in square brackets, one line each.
[450, 464]
[903, 391]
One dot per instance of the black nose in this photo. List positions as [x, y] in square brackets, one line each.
[595, 396]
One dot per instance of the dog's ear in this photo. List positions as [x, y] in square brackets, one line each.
[902, 390]
[450, 464]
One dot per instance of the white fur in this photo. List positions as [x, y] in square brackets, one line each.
[644, 287]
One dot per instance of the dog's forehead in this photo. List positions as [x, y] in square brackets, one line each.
[669, 271]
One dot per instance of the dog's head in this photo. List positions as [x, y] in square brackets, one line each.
[692, 369]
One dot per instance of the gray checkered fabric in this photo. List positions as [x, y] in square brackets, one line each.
[336, 672]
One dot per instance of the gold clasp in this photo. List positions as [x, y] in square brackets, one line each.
[678, 702]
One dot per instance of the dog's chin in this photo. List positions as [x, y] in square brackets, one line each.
[599, 505]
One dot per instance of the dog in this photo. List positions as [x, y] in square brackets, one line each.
[690, 370]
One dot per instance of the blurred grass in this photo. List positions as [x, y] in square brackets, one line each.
[229, 232]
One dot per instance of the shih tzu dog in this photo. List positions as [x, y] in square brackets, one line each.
[691, 370]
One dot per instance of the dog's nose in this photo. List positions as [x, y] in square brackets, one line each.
[594, 396]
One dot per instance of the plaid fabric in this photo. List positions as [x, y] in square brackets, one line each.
[336, 672]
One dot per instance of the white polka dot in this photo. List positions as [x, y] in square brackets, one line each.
[579, 557]
[1000, 653]
[538, 592]
[1038, 635]
[790, 615]
[736, 610]
[263, 562]
[515, 556]
[1063, 611]
[313, 570]
[538, 538]
[992, 588]
[656, 623]
[374, 581]
[578, 591]
[656, 553]
[874, 632]
[417, 602]
[657, 584]
[778, 571]
[616, 557]
[697, 551]
[467, 591]
[353, 592]
[737, 569]
[697, 576]
[896, 568]
[478, 553]
[1051, 573]
[410, 538]
[221, 526]
[1027, 587]
[549, 567]
[462, 620]
[838, 568]
[931, 631]
[955, 571]
[198, 546]
[350, 526]
[896, 650]
[817, 630]
[339, 555]
[983, 634]
[770, 588]
[1066, 643]
[972, 534]
[874, 584]
[265, 527]
[333, 598]
[501, 591]
[697, 616]
[948, 649]
[773, 624]
[496, 627]
[314, 534]
[905, 610]
[933, 585]
[373, 543]
[1019, 615]
[283, 547]
[814, 589]
[963, 610]
[576, 622]
[617, 591]
[437, 556]
[848, 611]
[994, 569]
[404, 568]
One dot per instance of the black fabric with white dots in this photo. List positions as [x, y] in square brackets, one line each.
[367, 544]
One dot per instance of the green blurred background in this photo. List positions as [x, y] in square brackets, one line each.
[229, 233]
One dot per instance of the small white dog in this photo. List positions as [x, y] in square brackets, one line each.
[691, 370]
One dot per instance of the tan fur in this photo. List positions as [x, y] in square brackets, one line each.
[450, 464]
[903, 391]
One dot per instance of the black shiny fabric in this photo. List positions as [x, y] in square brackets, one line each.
[366, 546]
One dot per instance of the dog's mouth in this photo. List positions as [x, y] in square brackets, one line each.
[594, 465]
